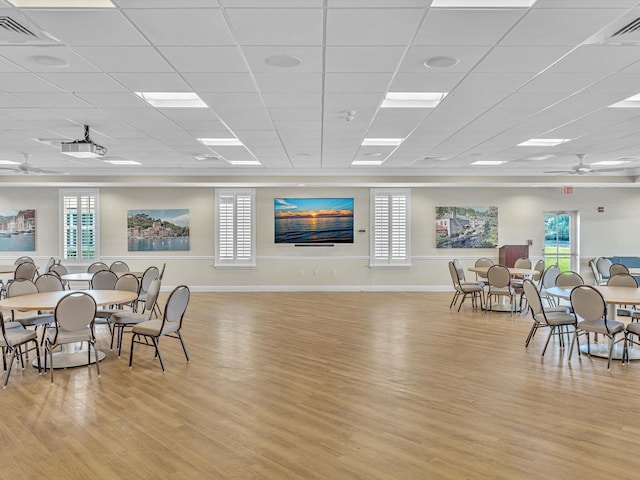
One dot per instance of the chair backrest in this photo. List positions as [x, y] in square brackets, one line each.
[569, 279]
[49, 282]
[104, 280]
[522, 262]
[59, 269]
[460, 269]
[21, 287]
[148, 276]
[549, 276]
[483, 262]
[533, 299]
[50, 263]
[588, 304]
[97, 267]
[152, 296]
[21, 260]
[453, 272]
[25, 271]
[604, 264]
[499, 276]
[594, 270]
[119, 267]
[176, 306]
[164, 265]
[622, 280]
[75, 311]
[539, 268]
[617, 268]
[127, 282]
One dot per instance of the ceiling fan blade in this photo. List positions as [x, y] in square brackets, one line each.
[566, 172]
[609, 170]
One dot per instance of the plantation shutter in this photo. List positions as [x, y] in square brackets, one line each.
[235, 233]
[390, 230]
[79, 210]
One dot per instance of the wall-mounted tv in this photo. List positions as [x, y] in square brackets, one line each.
[313, 220]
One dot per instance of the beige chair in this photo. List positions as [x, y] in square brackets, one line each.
[96, 267]
[49, 282]
[21, 260]
[569, 279]
[547, 281]
[11, 342]
[27, 287]
[623, 280]
[603, 264]
[74, 321]
[617, 268]
[597, 277]
[60, 270]
[483, 262]
[119, 267]
[558, 321]
[127, 319]
[591, 311]
[149, 275]
[539, 268]
[104, 280]
[499, 286]
[169, 326]
[462, 289]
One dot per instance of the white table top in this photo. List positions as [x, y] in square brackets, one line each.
[8, 268]
[512, 270]
[611, 295]
[49, 300]
[86, 277]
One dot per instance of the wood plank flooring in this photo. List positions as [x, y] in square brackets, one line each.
[320, 386]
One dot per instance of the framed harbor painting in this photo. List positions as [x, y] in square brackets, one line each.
[158, 230]
[17, 230]
[466, 227]
[313, 220]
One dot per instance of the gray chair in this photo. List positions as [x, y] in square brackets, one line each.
[104, 280]
[499, 286]
[569, 279]
[127, 319]
[558, 321]
[539, 268]
[27, 287]
[11, 342]
[597, 277]
[617, 268]
[74, 322]
[591, 312]
[462, 289]
[623, 280]
[60, 270]
[119, 267]
[483, 262]
[603, 265]
[49, 282]
[149, 275]
[169, 326]
[24, 259]
[97, 267]
[548, 280]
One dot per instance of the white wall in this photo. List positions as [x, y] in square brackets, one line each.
[342, 267]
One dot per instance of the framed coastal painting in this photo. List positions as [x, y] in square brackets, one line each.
[17, 230]
[313, 220]
[158, 230]
[466, 227]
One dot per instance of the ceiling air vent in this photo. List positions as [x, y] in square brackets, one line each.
[631, 29]
[625, 30]
[8, 26]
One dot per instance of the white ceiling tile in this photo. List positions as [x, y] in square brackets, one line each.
[309, 56]
[372, 26]
[598, 58]
[363, 59]
[505, 83]
[585, 4]
[83, 82]
[468, 58]
[220, 82]
[561, 82]
[357, 82]
[284, 26]
[376, 3]
[303, 114]
[199, 26]
[274, 3]
[246, 118]
[25, 82]
[426, 82]
[114, 100]
[88, 27]
[289, 82]
[230, 99]
[295, 100]
[201, 59]
[50, 99]
[466, 26]
[31, 58]
[532, 59]
[152, 82]
[351, 101]
[12, 101]
[125, 59]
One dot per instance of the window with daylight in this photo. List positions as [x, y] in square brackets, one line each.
[79, 211]
[390, 228]
[235, 228]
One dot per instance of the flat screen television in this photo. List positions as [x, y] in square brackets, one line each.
[313, 220]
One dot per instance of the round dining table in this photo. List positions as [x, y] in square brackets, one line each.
[69, 356]
[8, 268]
[613, 296]
[515, 272]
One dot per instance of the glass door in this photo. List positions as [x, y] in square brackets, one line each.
[561, 240]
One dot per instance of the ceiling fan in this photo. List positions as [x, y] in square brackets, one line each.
[26, 168]
[583, 169]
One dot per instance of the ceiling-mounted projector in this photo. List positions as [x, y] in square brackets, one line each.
[85, 148]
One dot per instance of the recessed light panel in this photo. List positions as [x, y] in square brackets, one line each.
[222, 142]
[388, 142]
[483, 3]
[62, 3]
[244, 162]
[489, 162]
[610, 163]
[367, 162]
[123, 162]
[631, 102]
[172, 99]
[412, 99]
[8, 162]
[544, 142]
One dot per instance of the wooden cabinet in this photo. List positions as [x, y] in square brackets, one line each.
[508, 254]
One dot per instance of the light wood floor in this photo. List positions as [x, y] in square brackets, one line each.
[329, 386]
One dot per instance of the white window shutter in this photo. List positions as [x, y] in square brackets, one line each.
[235, 228]
[80, 237]
[390, 228]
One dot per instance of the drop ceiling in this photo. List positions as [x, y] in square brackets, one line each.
[300, 84]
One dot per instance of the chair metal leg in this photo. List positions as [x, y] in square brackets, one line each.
[183, 346]
[7, 373]
[155, 344]
[133, 341]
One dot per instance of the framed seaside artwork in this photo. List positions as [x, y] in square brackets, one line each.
[18, 230]
[158, 230]
[466, 227]
[313, 220]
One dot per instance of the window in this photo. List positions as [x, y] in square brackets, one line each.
[235, 232]
[80, 234]
[390, 228]
[561, 236]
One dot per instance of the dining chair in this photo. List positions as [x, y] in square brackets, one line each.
[24, 271]
[97, 266]
[27, 287]
[590, 309]
[558, 321]
[483, 262]
[148, 276]
[499, 286]
[169, 326]
[604, 264]
[462, 289]
[548, 280]
[49, 282]
[597, 277]
[569, 279]
[60, 270]
[617, 268]
[74, 322]
[119, 267]
[128, 318]
[539, 268]
[623, 280]
[104, 280]
[24, 259]
[11, 342]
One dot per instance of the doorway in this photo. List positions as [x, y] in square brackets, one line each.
[561, 245]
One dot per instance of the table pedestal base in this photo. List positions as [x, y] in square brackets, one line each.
[602, 350]
[69, 360]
